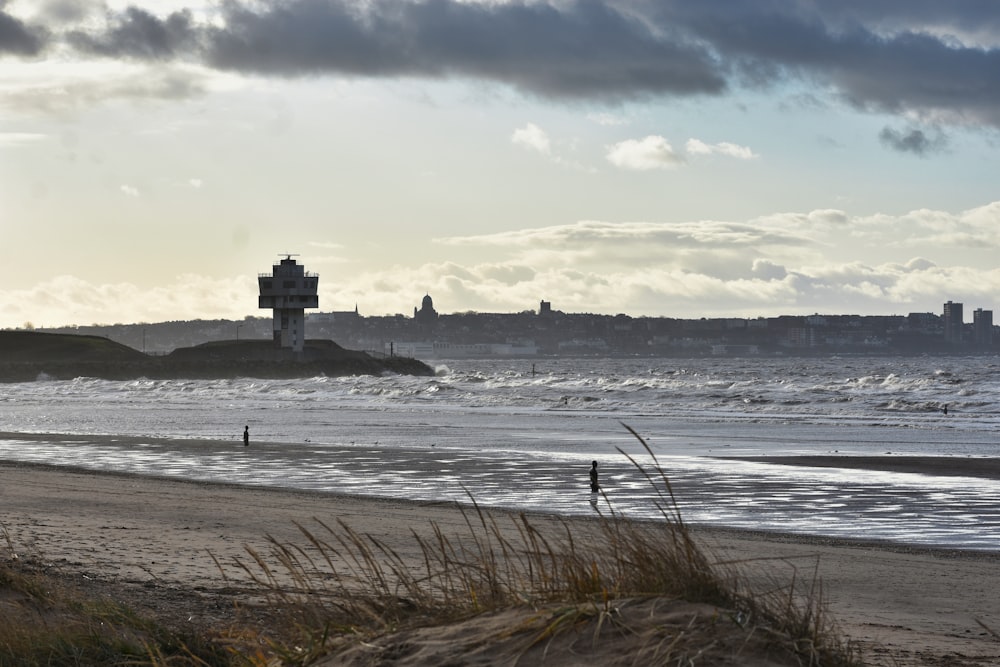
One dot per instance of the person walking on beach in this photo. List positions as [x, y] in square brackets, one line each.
[595, 487]
[246, 435]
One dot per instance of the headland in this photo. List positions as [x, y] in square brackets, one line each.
[31, 355]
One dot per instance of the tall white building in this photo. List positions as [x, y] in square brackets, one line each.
[288, 290]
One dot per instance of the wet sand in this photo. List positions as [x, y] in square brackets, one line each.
[161, 537]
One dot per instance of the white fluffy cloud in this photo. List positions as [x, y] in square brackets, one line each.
[533, 138]
[652, 152]
[655, 152]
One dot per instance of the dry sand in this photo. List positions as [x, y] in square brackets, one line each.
[150, 539]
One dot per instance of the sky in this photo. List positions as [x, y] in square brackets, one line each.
[695, 158]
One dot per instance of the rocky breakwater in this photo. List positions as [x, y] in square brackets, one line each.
[27, 355]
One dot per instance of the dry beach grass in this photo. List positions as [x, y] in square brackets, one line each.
[614, 591]
[184, 573]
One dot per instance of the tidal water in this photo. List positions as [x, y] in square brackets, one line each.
[522, 433]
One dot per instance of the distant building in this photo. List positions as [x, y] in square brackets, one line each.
[952, 322]
[414, 349]
[923, 322]
[336, 316]
[982, 327]
[426, 314]
[288, 290]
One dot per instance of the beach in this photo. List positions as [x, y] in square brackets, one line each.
[159, 544]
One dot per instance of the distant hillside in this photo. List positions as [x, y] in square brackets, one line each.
[263, 350]
[36, 347]
[28, 355]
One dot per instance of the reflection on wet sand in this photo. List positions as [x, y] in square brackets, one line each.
[846, 501]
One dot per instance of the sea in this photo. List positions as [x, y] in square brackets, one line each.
[668, 435]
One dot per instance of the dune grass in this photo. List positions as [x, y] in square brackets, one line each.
[47, 620]
[340, 587]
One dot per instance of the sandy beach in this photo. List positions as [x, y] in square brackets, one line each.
[155, 543]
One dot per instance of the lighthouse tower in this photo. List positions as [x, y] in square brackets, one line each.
[288, 291]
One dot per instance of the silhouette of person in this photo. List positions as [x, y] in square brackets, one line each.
[946, 408]
[594, 486]
[246, 435]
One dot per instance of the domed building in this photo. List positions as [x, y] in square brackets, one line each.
[426, 314]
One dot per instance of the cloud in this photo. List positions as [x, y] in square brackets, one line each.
[698, 147]
[65, 11]
[895, 57]
[50, 90]
[804, 252]
[543, 49]
[652, 152]
[722, 249]
[655, 152]
[63, 300]
[19, 38]
[935, 62]
[767, 270]
[848, 287]
[19, 138]
[328, 245]
[836, 288]
[579, 50]
[607, 119]
[912, 141]
[129, 190]
[783, 263]
[600, 235]
[137, 33]
[533, 138]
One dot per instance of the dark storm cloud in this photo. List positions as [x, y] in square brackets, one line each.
[18, 38]
[972, 17]
[138, 34]
[583, 50]
[881, 57]
[934, 59]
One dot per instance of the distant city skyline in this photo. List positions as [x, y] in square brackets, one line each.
[667, 159]
[548, 332]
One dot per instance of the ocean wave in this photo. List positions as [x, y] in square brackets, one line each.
[819, 390]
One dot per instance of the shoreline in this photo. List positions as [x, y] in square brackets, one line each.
[158, 540]
[707, 530]
[940, 465]
[770, 499]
